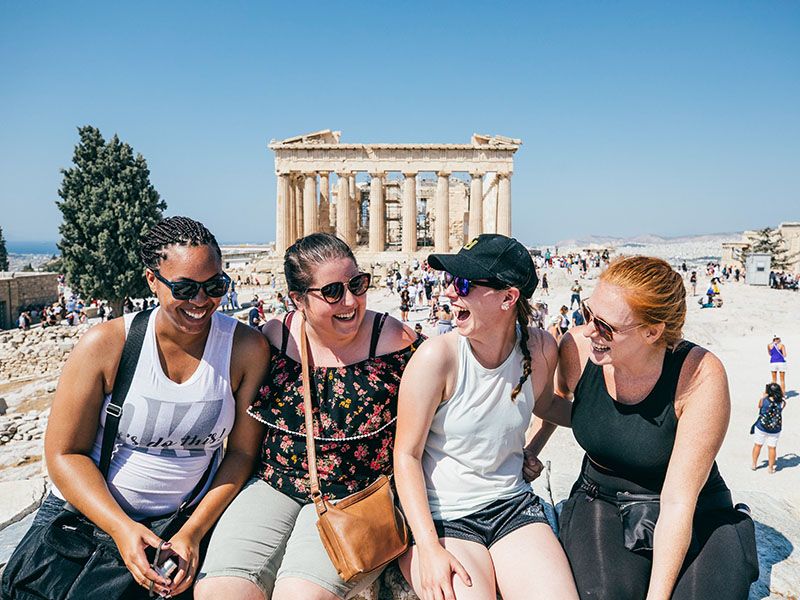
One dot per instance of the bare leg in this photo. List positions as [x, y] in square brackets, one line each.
[756, 452]
[291, 588]
[774, 377]
[230, 587]
[783, 382]
[521, 578]
[473, 556]
[772, 451]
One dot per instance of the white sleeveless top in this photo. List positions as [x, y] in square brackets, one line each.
[473, 454]
[169, 432]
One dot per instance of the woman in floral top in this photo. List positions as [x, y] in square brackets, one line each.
[266, 545]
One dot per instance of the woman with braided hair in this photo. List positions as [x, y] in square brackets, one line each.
[466, 399]
[190, 389]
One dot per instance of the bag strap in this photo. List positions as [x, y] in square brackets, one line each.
[311, 452]
[122, 384]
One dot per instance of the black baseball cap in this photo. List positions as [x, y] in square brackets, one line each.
[493, 257]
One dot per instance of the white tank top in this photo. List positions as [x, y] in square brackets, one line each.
[169, 432]
[473, 454]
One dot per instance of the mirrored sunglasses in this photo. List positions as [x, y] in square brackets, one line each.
[462, 285]
[334, 291]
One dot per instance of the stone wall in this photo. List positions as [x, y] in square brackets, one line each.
[36, 351]
[20, 290]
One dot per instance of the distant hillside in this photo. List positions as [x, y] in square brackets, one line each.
[647, 239]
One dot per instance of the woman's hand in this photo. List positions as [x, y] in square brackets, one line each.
[436, 568]
[531, 466]
[185, 551]
[131, 542]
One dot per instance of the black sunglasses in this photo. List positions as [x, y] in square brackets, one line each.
[186, 289]
[604, 329]
[334, 291]
[462, 285]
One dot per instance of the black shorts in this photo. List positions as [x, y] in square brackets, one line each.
[494, 522]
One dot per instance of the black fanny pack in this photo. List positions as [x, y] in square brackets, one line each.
[639, 513]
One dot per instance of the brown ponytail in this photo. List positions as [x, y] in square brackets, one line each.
[524, 312]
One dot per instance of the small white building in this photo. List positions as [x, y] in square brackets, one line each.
[757, 268]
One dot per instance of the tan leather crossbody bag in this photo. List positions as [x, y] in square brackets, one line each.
[364, 531]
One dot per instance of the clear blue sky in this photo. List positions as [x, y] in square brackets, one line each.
[637, 117]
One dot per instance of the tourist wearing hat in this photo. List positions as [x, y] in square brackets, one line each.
[466, 400]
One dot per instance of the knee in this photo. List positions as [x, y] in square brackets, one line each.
[293, 588]
[211, 588]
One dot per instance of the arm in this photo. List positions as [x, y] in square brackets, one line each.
[704, 402]
[423, 387]
[86, 378]
[249, 364]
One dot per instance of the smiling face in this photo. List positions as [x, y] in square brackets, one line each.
[609, 303]
[482, 309]
[343, 318]
[198, 263]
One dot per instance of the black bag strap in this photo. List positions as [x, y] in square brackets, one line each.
[122, 384]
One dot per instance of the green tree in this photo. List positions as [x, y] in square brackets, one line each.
[3, 252]
[107, 203]
[771, 241]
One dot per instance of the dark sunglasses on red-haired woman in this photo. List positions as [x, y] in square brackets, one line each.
[604, 329]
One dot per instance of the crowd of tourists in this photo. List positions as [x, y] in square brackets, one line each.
[194, 456]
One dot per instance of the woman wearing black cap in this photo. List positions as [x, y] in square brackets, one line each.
[466, 399]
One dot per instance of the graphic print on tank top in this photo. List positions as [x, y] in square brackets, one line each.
[176, 429]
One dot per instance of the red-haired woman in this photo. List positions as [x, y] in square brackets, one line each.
[650, 515]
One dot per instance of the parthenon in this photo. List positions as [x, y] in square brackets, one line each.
[359, 213]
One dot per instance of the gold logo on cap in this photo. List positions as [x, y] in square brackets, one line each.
[471, 244]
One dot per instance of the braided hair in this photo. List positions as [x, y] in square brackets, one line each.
[181, 231]
[524, 313]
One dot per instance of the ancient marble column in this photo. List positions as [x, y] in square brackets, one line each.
[409, 208]
[297, 184]
[377, 213]
[292, 210]
[310, 204]
[504, 204]
[323, 216]
[354, 209]
[441, 238]
[343, 208]
[282, 223]
[475, 205]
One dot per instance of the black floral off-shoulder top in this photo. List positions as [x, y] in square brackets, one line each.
[355, 409]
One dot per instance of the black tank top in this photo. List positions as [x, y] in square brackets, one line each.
[632, 442]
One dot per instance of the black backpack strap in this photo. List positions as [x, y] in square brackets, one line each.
[122, 383]
[377, 326]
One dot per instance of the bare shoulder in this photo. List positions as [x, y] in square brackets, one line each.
[102, 343]
[573, 353]
[437, 353]
[703, 379]
[395, 335]
[249, 344]
[543, 348]
[273, 331]
[98, 352]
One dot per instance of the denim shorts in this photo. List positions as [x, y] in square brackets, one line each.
[492, 523]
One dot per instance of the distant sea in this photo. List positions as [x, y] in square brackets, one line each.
[48, 248]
